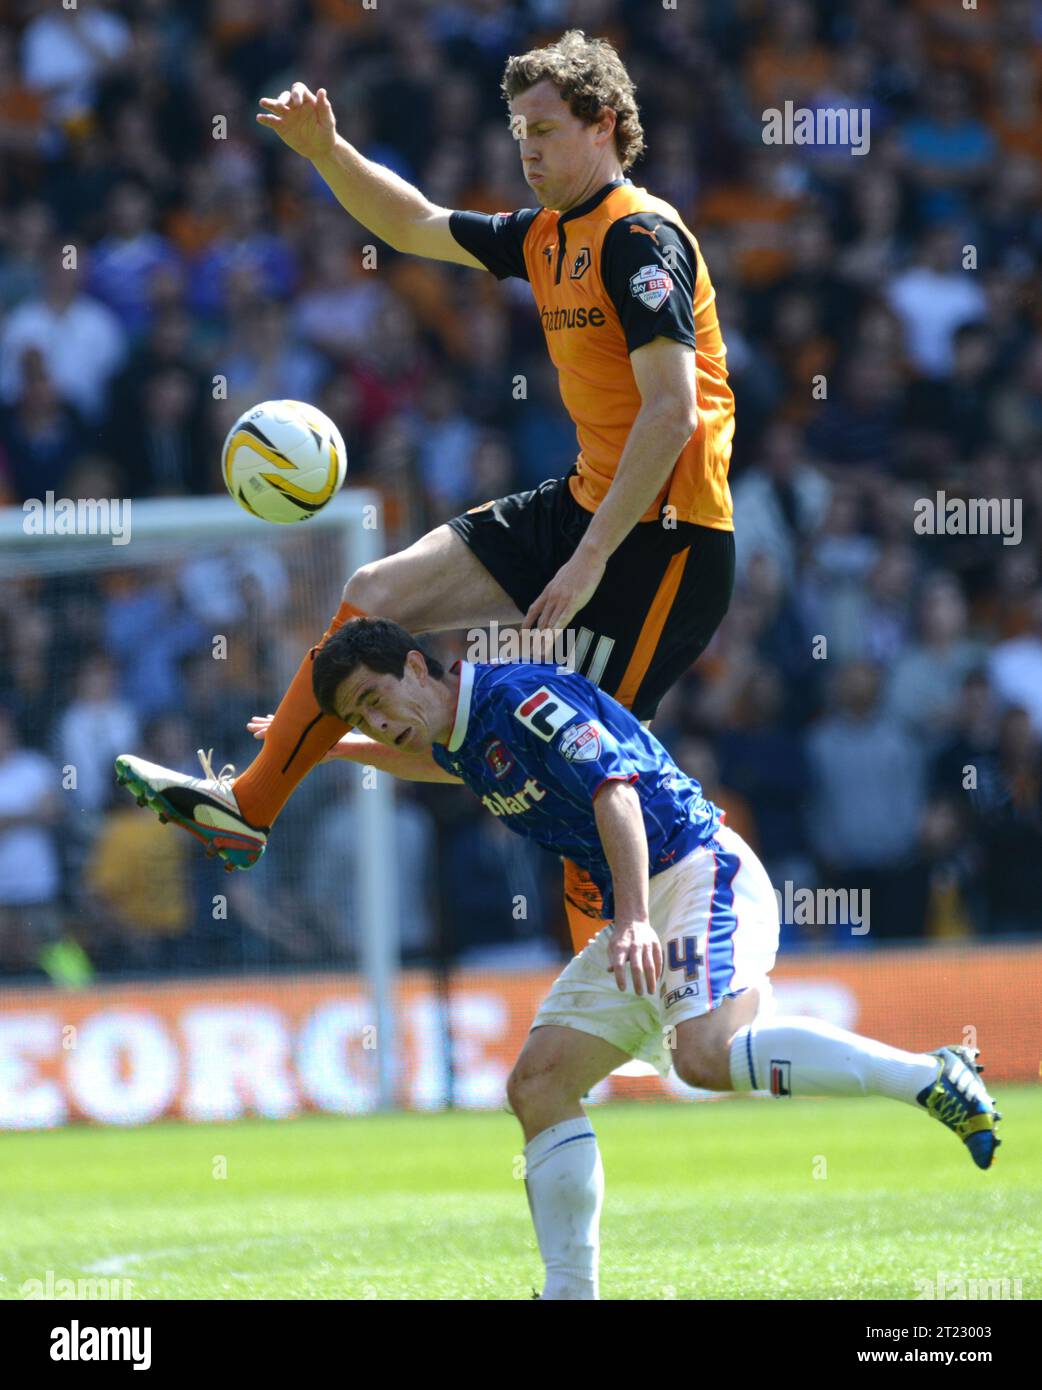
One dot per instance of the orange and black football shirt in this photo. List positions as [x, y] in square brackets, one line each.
[609, 276]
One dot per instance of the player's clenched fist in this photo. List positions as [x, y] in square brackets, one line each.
[635, 947]
[303, 119]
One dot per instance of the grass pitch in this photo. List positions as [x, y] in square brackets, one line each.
[732, 1199]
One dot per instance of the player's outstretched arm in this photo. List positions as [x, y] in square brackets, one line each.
[375, 196]
[357, 748]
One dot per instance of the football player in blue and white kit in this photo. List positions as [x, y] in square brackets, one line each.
[680, 977]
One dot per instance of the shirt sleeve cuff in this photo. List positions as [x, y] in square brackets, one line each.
[614, 777]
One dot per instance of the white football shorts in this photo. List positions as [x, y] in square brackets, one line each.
[716, 915]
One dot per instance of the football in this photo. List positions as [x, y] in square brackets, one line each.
[283, 461]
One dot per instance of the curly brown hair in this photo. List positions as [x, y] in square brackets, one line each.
[590, 75]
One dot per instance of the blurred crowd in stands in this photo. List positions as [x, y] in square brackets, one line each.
[870, 714]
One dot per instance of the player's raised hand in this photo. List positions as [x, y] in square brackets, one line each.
[303, 119]
[570, 590]
[258, 724]
[635, 946]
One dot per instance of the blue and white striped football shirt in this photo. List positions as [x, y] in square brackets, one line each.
[536, 744]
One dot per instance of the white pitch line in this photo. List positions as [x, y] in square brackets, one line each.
[118, 1264]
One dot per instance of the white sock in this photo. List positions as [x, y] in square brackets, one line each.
[565, 1182]
[805, 1057]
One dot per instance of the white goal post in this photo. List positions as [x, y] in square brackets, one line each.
[166, 530]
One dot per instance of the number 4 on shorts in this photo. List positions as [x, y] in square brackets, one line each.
[682, 954]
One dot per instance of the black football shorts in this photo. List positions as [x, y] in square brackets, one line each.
[664, 593]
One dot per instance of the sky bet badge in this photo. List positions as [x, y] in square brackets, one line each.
[582, 744]
[652, 285]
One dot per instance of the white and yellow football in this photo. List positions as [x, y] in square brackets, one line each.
[283, 461]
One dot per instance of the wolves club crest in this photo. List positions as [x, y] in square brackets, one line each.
[582, 264]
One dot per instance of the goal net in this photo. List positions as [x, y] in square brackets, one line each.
[137, 977]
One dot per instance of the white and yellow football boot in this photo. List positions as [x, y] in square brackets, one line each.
[204, 806]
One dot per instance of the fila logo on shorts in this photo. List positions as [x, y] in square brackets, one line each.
[677, 996]
[544, 713]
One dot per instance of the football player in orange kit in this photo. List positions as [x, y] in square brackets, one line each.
[633, 550]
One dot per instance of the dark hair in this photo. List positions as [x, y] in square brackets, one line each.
[590, 76]
[378, 644]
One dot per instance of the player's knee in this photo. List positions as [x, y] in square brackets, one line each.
[704, 1068]
[690, 1070]
[530, 1087]
[521, 1089]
